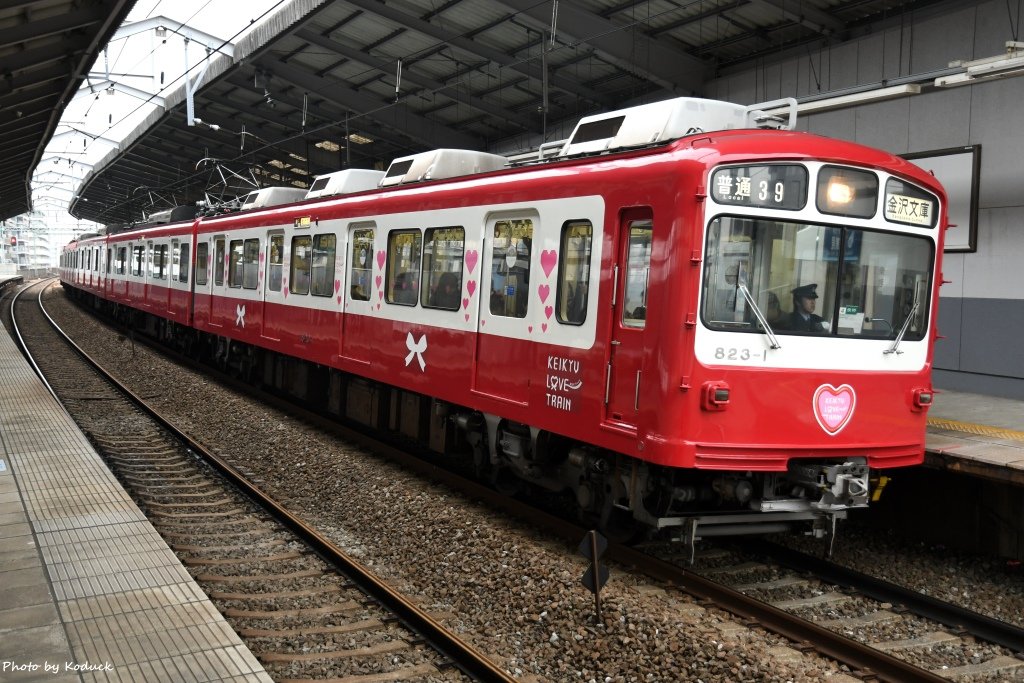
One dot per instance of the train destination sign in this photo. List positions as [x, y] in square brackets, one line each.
[772, 186]
[905, 203]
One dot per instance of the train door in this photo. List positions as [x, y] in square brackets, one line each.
[363, 292]
[629, 316]
[272, 295]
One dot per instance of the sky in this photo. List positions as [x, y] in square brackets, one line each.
[100, 117]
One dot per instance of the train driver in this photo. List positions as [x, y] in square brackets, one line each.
[803, 318]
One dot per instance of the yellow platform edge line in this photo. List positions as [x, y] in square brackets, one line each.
[970, 428]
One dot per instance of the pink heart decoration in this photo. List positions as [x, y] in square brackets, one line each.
[471, 259]
[380, 295]
[543, 291]
[339, 299]
[337, 286]
[548, 310]
[471, 287]
[530, 329]
[261, 257]
[543, 327]
[548, 261]
[833, 407]
[483, 322]
[467, 317]
[378, 280]
[380, 259]
[378, 307]
[285, 292]
[465, 303]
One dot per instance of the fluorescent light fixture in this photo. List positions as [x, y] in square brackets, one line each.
[854, 99]
[988, 68]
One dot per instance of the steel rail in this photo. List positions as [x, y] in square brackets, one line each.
[959, 618]
[463, 655]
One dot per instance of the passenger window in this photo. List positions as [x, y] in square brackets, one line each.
[159, 269]
[403, 267]
[218, 267]
[235, 264]
[299, 277]
[574, 272]
[324, 249]
[138, 258]
[175, 259]
[361, 265]
[122, 260]
[442, 268]
[202, 263]
[274, 260]
[634, 309]
[251, 264]
[183, 272]
[510, 267]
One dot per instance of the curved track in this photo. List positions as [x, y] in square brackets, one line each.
[308, 610]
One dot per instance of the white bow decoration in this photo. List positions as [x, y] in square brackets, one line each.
[416, 348]
[240, 313]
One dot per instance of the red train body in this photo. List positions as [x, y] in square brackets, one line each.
[620, 324]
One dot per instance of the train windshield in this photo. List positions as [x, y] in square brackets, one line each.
[811, 279]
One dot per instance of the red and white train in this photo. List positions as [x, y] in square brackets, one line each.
[687, 317]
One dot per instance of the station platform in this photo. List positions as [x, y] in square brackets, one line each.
[88, 590]
[977, 435]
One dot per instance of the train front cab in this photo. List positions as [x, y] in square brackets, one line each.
[814, 343]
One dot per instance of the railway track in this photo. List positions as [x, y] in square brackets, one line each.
[753, 609]
[305, 608]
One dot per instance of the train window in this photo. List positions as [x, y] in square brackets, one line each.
[138, 260]
[442, 268]
[148, 267]
[235, 261]
[251, 264]
[183, 272]
[110, 253]
[298, 279]
[638, 267]
[218, 265]
[361, 264]
[202, 263]
[122, 260]
[175, 259]
[275, 258]
[324, 249]
[159, 269]
[403, 267]
[815, 279]
[574, 272]
[510, 267]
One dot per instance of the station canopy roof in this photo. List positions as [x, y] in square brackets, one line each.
[46, 48]
[326, 85]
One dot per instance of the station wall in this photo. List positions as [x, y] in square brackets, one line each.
[981, 313]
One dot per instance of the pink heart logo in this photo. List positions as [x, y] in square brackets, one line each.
[465, 303]
[471, 287]
[285, 292]
[467, 317]
[339, 299]
[548, 261]
[548, 310]
[530, 329]
[261, 257]
[543, 327]
[833, 407]
[378, 307]
[483, 322]
[543, 291]
[380, 295]
[380, 259]
[378, 280]
[337, 286]
[471, 259]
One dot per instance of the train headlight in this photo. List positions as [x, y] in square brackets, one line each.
[715, 396]
[844, 191]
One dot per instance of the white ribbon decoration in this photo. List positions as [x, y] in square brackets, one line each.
[416, 348]
[240, 313]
